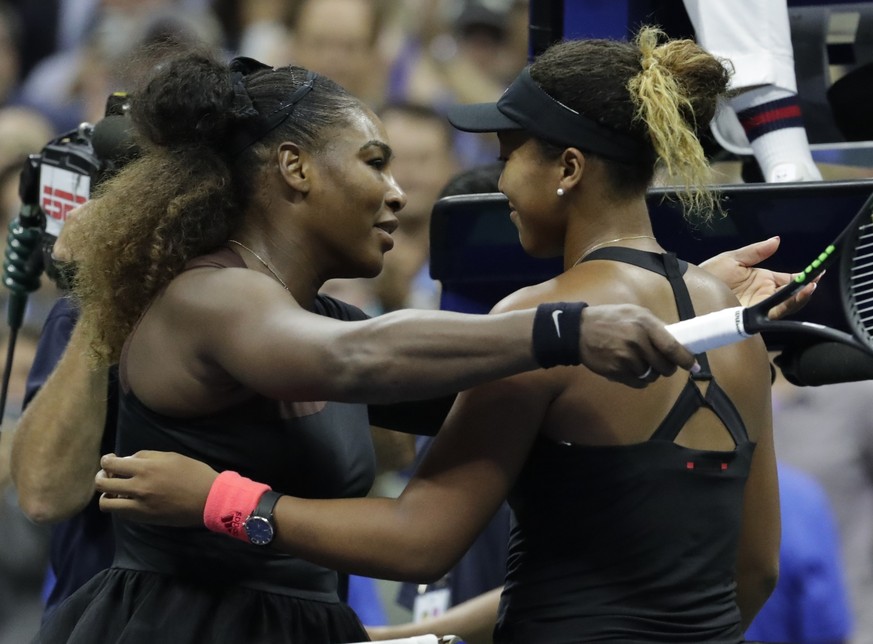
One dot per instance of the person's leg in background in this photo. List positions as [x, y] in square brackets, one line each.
[756, 37]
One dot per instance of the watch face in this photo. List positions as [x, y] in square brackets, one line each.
[259, 530]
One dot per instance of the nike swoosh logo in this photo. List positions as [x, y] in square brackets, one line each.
[555, 316]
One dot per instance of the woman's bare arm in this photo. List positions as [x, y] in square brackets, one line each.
[56, 443]
[252, 330]
[418, 536]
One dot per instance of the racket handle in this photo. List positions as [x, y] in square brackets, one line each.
[711, 330]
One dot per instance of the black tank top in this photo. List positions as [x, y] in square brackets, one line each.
[318, 450]
[630, 543]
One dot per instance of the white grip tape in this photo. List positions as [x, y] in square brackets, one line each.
[710, 331]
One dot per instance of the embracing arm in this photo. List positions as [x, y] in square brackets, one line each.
[463, 479]
[56, 444]
[270, 345]
[421, 354]
[418, 536]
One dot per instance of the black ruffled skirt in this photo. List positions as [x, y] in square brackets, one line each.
[122, 606]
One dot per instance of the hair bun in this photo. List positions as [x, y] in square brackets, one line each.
[186, 101]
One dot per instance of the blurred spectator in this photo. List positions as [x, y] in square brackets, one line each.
[23, 131]
[55, 26]
[423, 145]
[810, 604]
[258, 29]
[827, 432]
[10, 55]
[461, 52]
[340, 39]
[50, 26]
[493, 36]
[466, 52]
[70, 87]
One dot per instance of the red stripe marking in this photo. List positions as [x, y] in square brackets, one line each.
[792, 111]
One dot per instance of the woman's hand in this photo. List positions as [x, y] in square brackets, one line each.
[751, 285]
[155, 487]
[628, 344]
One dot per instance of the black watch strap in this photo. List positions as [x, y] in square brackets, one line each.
[267, 504]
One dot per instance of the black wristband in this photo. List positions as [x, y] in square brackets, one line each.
[556, 332]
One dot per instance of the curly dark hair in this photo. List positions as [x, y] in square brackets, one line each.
[188, 188]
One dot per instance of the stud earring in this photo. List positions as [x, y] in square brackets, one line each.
[560, 192]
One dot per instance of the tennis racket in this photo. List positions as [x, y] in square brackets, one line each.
[854, 246]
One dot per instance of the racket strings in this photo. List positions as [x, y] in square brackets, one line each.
[860, 281]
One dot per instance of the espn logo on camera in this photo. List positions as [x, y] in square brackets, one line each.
[60, 191]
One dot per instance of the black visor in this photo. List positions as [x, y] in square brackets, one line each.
[525, 106]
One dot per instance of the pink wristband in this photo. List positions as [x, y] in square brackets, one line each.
[232, 498]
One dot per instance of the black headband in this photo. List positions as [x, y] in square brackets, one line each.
[526, 106]
[253, 125]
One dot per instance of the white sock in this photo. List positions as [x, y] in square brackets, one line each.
[772, 121]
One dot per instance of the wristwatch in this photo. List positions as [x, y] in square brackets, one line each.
[259, 525]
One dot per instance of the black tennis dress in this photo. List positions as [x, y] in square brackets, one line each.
[632, 543]
[188, 585]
